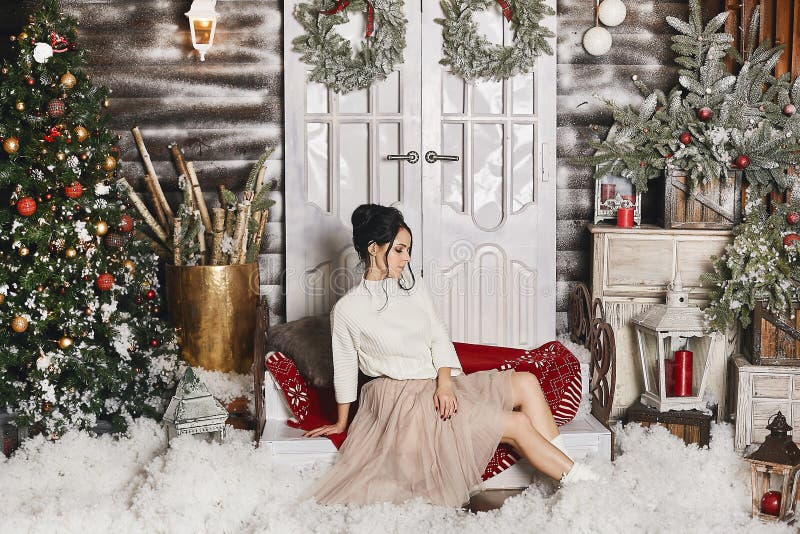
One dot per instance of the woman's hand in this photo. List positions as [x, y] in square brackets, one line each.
[444, 400]
[326, 430]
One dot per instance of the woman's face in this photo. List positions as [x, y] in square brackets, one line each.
[399, 254]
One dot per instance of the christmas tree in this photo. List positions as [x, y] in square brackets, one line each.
[712, 120]
[81, 332]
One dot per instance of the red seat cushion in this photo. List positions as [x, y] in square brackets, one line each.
[557, 369]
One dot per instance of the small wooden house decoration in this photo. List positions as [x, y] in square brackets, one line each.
[774, 473]
[610, 193]
[193, 410]
[661, 332]
[776, 336]
[715, 205]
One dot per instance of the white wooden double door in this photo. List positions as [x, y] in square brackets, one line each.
[484, 226]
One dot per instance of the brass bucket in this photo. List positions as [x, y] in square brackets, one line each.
[214, 309]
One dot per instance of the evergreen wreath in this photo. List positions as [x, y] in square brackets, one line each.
[331, 55]
[472, 56]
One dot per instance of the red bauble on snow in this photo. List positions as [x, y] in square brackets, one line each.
[154, 343]
[771, 503]
[74, 190]
[150, 294]
[26, 206]
[685, 138]
[790, 240]
[792, 217]
[105, 282]
[789, 110]
[705, 114]
[55, 108]
[125, 223]
[742, 161]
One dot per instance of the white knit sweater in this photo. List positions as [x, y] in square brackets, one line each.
[404, 340]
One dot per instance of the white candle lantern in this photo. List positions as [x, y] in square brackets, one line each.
[202, 24]
[660, 332]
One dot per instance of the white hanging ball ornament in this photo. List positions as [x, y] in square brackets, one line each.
[611, 12]
[597, 41]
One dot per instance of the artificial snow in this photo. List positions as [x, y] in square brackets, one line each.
[138, 484]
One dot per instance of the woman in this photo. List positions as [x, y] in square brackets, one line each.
[423, 428]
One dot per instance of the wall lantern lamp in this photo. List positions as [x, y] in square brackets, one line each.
[202, 23]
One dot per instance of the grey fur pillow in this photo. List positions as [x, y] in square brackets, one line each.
[307, 341]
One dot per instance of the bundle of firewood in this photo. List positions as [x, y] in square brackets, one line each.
[231, 234]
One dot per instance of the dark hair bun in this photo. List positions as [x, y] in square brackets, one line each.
[363, 213]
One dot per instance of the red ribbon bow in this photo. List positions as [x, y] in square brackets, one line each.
[51, 135]
[504, 5]
[57, 40]
[339, 5]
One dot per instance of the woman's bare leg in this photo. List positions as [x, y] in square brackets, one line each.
[528, 396]
[542, 454]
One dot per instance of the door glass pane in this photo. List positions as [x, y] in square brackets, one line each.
[389, 171]
[522, 175]
[353, 167]
[317, 157]
[453, 171]
[389, 94]
[522, 94]
[487, 174]
[354, 102]
[487, 97]
[452, 93]
[316, 98]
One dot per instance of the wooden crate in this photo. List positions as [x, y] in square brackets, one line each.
[692, 426]
[713, 206]
[775, 337]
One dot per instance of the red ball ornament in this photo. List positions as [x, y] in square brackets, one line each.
[705, 114]
[789, 110]
[685, 138]
[29, 80]
[74, 190]
[55, 108]
[26, 206]
[792, 217]
[126, 223]
[154, 343]
[114, 240]
[742, 161]
[48, 196]
[790, 240]
[771, 503]
[105, 282]
[150, 294]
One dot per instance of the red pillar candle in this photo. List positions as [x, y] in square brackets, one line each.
[682, 373]
[625, 218]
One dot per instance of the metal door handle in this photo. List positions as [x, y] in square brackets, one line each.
[412, 157]
[432, 157]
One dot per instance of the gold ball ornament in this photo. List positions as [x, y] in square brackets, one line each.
[87, 311]
[20, 106]
[22, 36]
[19, 324]
[109, 163]
[60, 156]
[81, 133]
[106, 103]
[2, 298]
[24, 251]
[68, 80]
[101, 227]
[11, 145]
[65, 342]
[130, 265]
[70, 253]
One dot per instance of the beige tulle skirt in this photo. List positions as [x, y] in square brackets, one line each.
[398, 448]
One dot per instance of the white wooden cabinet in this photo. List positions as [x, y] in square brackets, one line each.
[630, 271]
[762, 391]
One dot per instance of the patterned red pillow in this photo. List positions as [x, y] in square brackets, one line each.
[312, 407]
[557, 369]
